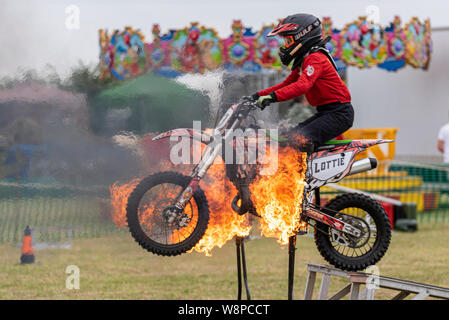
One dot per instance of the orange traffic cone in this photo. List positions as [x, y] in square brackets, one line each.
[27, 248]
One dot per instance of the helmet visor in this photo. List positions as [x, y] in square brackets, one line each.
[287, 41]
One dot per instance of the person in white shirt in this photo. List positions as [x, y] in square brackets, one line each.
[443, 142]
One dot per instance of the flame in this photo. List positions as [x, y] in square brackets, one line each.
[223, 225]
[278, 197]
[119, 200]
[120, 193]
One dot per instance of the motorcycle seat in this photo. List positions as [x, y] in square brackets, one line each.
[331, 144]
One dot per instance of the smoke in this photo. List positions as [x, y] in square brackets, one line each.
[77, 157]
[225, 89]
[45, 137]
[129, 141]
[16, 17]
[210, 84]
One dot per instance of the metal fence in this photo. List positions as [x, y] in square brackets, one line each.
[56, 213]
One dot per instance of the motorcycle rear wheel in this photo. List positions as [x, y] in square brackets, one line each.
[359, 254]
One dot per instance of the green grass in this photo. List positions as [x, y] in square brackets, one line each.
[117, 268]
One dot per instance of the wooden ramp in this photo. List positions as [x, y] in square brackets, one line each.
[370, 282]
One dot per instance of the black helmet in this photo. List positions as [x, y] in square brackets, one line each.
[300, 32]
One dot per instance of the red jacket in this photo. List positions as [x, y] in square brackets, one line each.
[318, 80]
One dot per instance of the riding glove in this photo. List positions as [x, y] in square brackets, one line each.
[265, 101]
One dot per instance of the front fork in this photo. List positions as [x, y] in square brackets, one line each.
[198, 172]
[187, 194]
[208, 157]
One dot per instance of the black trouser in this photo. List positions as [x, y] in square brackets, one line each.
[330, 121]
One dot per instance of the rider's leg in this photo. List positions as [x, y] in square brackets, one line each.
[329, 122]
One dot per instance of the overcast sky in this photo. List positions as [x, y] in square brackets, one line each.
[34, 33]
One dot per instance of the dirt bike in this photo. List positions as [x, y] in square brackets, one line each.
[168, 213]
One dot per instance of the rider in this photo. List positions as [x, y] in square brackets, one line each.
[314, 74]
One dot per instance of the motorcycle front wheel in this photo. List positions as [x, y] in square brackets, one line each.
[150, 227]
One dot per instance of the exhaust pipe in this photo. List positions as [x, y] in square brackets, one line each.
[363, 165]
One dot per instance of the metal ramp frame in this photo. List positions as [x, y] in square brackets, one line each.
[357, 279]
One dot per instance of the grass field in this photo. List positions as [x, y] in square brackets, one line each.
[117, 268]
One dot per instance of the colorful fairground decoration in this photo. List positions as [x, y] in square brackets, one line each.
[361, 43]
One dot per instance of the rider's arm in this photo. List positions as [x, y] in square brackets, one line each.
[311, 71]
[292, 77]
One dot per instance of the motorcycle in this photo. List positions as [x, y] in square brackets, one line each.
[168, 213]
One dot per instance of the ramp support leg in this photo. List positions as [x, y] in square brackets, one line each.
[241, 264]
[291, 265]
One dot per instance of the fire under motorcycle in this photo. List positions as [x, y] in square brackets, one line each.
[168, 213]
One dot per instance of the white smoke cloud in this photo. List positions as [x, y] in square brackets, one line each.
[210, 84]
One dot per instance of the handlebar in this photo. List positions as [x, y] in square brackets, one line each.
[248, 105]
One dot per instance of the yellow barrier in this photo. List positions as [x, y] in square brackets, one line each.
[376, 151]
[371, 185]
[420, 199]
